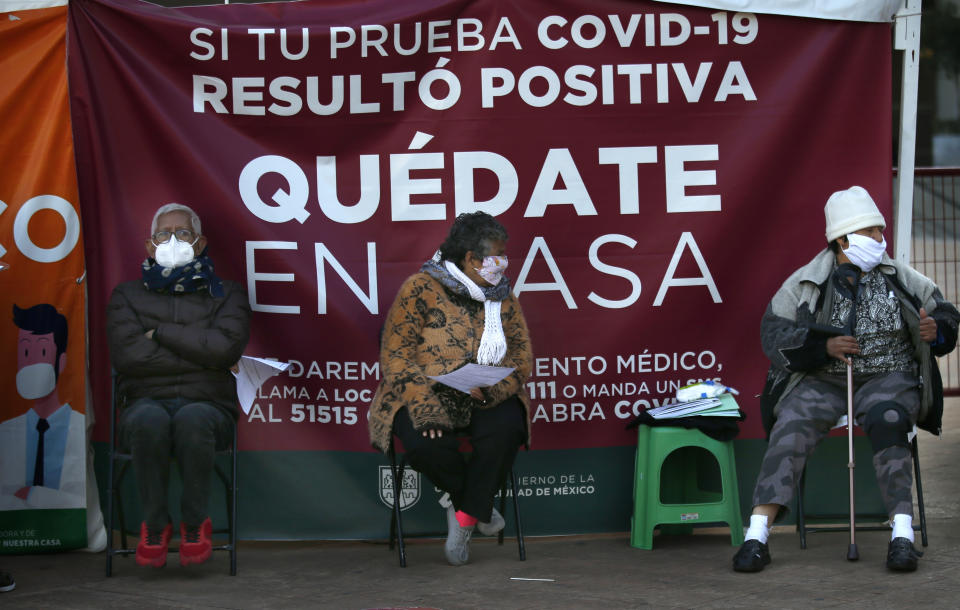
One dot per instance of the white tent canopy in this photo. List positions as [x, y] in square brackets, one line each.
[847, 10]
[7, 6]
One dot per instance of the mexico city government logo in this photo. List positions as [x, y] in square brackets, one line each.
[409, 487]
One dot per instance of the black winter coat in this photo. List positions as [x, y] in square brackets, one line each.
[197, 339]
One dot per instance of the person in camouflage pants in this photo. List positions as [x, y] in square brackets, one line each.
[851, 305]
[808, 414]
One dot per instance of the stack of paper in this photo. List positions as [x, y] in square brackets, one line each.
[712, 407]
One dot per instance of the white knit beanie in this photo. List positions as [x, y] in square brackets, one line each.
[851, 210]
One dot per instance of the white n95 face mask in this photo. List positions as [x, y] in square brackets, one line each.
[174, 253]
[36, 380]
[865, 252]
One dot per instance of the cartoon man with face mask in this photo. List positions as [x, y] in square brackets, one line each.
[42, 450]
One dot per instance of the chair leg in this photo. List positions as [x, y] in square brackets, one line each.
[916, 476]
[118, 496]
[232, 509]
[111, 483]
[801, 521]
[393, 516]
[110, 516]
[396, 525]
[503, 507]
[516, 515]
[393, 531]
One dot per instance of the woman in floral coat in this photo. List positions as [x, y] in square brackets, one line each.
[457, 309]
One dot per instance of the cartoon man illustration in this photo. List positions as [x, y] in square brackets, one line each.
[42, 457]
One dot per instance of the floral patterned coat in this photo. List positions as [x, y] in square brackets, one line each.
[429, 330]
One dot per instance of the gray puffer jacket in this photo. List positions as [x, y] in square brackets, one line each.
[794, 332]
[197, 339]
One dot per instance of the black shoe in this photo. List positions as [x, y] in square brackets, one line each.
[6, 582]
[901, 556]
[751, 557]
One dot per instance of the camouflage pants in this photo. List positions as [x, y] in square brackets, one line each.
[806, 415]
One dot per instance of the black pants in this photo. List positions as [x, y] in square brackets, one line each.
[192, 432]
[495, 434]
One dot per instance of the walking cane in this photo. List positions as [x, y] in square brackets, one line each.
[852, 553]
[848, 282]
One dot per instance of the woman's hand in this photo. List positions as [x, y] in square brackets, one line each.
[477, 393]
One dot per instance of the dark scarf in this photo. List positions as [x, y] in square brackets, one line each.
[436, 269]
[188, 278]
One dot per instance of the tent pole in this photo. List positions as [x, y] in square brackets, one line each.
[907, 39]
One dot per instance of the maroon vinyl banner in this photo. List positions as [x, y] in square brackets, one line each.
[661, 169]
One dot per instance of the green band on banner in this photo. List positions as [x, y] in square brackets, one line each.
[42, 530]
[311, 495]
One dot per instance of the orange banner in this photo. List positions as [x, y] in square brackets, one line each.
[42, 292]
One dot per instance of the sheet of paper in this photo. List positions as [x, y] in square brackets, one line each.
[252, 373]
[473, 375]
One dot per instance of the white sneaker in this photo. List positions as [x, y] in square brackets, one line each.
[457, 547]
[493, 527]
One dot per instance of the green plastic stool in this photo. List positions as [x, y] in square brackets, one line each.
[688, 504]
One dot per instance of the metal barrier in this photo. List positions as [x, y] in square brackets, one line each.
[935, 249]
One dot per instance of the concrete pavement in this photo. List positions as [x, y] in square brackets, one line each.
[562, 572]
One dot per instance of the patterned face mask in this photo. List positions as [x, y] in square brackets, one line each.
[865, 252]
[492, 269]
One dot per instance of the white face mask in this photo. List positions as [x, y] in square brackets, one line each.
[36, 380]
[492, 269]
[174, 253]
[865, 252]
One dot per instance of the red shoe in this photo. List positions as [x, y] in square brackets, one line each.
[152, 548]
[195, 542]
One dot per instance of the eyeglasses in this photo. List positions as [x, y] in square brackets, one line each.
[162, 237]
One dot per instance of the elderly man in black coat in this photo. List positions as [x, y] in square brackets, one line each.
[174, 335]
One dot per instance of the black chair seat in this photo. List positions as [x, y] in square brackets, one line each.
[397, 466]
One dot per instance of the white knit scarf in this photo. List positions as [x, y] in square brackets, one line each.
[493, 343]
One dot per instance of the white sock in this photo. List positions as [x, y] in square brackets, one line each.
[758, 529]
[902, 527]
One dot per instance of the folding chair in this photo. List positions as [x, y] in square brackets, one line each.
[803, 529]
[119, 464]
[396, 521]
